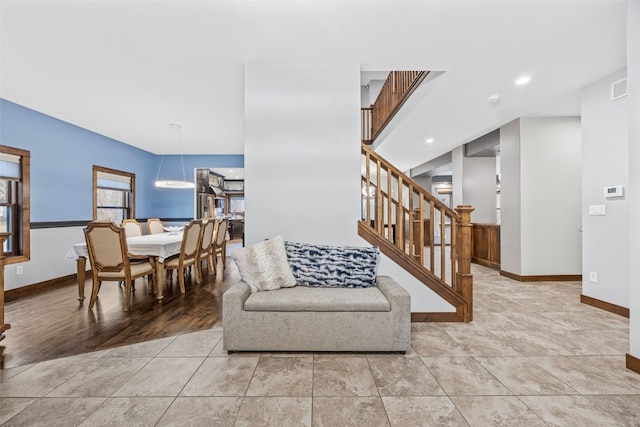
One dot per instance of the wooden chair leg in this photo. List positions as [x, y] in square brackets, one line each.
[94, 292]
[198, 268]
[223, 255]
[181, 273]
[210, 265]
[133, 287]
[127, 294]
[151, 280]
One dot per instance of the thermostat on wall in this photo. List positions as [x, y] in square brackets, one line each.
[615, 191]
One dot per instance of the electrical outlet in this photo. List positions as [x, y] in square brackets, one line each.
[593, 277]
[18, 270]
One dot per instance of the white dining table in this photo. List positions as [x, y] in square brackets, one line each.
[157, 246]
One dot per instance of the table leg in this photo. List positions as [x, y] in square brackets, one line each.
[159, 280]
[81, 266]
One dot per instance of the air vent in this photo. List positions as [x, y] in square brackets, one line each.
[619, 89]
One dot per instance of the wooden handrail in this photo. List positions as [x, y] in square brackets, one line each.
[411, 221]
[395, 91]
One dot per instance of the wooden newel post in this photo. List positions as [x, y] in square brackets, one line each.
[464, 279]
[3, 326]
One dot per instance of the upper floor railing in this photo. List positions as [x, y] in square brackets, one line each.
[395, 91]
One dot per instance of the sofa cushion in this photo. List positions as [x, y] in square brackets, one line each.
[302, 298]
[264, 265]
[333, 266]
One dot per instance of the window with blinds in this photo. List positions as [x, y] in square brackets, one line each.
[14, 217]
[114, 195]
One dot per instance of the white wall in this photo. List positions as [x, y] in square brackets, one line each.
[457, 172]
[424, 182]
[510, 203]
[302, 161]
[633, 86]
[48, 248]
[605, 163]
[479, 188]
[550, 193]
[369, 94]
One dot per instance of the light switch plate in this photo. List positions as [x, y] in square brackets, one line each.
[597, 210]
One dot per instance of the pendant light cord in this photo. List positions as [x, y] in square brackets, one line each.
[159, 168]
[184, 176]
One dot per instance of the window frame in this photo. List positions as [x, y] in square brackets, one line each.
[23, 204]
[131, 211]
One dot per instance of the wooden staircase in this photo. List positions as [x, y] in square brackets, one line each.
[419, 233]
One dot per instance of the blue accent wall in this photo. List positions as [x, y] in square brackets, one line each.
[62, 159]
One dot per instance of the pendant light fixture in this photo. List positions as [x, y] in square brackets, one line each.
[172, 183]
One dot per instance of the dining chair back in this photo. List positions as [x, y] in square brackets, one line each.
[220, 243]
[191, 241]
[206, 244]
[108, 255]
[155, 226]
[131, 227]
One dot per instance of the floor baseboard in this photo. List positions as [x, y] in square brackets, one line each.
[606, 306]
[36, 288]
[543, 278]
[633, 363]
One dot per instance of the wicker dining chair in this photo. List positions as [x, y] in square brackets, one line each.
[107, 247]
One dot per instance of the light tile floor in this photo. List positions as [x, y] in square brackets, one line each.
[534, 356]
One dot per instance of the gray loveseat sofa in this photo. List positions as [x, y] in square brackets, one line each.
[300, 318]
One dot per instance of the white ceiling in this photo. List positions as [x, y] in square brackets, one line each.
[126, 69]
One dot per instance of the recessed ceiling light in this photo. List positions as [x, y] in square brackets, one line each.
[230, 170]
[429, 140]
[523, 80]
[494, 98]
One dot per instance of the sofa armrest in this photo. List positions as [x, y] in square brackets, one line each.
[395, 294]
[232, 309]
[233, 299]
[400, 301]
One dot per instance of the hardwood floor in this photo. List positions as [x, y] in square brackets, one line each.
[53, 323]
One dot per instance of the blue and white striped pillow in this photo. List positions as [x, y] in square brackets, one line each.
[333, 266]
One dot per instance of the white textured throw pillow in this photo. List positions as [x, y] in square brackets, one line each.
[264, 266]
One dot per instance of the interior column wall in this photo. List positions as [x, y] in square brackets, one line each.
[479, 188]
[633, 86]
[550, 194]
[540, 196]
[302, 153]
[510, 203]
[604, 155]
[457, 173]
